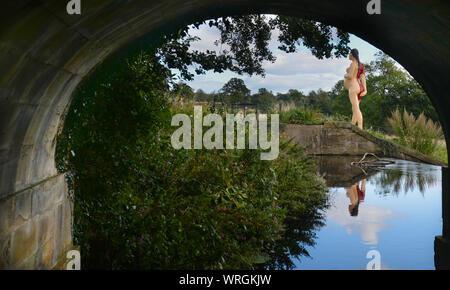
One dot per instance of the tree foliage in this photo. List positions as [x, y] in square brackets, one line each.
[140, 204]
[182, 90]
[246, 41]
[264, 99]
[293, 96]
[317, 37]
[389, 87]
[235, 91]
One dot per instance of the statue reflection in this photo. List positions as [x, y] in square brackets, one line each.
[356, 195]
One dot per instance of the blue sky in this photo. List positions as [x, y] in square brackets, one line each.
[300, 70]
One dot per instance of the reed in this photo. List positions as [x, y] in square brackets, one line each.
[419, 133]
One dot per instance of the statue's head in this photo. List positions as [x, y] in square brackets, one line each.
[354, 54]
[353, 209]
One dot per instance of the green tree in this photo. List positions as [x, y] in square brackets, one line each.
[264, 99]
[389, 87]
[140, 204]
[201, 96]
[247, 38]
[235, 91]
[340, 104]
[182, 90]
[293, 96]
[320, 100]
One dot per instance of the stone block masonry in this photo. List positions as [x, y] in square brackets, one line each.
[36, 226]
[342, 138]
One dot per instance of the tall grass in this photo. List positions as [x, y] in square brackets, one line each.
[419, 133]
[292, 114]
[301, 116]
[285, 107]
[441, 152]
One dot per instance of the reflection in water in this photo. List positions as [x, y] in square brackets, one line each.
[367, 223]
[407, 177]
[396, 210]
[300, 232]
[356, 196]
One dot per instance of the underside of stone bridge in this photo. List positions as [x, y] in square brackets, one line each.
[45, 53]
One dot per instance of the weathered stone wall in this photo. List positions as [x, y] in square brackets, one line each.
[35, 226]
[342, 138]
[329, 139]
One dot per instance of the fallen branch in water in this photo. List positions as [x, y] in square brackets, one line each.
[378, 162]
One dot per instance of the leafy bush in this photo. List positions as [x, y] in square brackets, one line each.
[419, 133]
[301, 116]
[140, 204]
[307, 116]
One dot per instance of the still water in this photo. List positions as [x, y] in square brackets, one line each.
[395, 210]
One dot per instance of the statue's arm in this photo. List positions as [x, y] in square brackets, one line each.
[363, 82]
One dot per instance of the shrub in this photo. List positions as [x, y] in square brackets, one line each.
[419, 133]
[301, 116]
[140, 204]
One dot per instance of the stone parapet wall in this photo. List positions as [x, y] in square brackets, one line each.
[329, 139]
[342, 138]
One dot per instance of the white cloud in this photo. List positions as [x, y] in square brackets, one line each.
[305, 62]
[300, 71]
[371, 220]
[206, 85]
[207, 37]
[300, 81]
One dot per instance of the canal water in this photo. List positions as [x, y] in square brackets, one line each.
[395, 210]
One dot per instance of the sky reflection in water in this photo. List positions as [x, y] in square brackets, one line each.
[400, 216]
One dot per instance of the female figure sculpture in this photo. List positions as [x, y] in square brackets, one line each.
[356, 196]
[355, 83]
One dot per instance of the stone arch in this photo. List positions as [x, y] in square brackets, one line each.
[45, 53]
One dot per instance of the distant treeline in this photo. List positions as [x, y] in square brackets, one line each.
[389, 88]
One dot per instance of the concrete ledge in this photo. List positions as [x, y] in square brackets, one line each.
[343, 138]
[391, 149]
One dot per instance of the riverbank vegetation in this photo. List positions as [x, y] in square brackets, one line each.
[390, 89]
[140, 204]
[419, 133]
